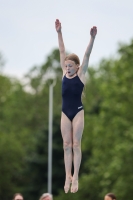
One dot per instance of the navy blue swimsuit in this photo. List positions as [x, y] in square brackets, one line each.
[71, 96]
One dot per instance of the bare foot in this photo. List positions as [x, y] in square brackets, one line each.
[74, 187]
[68, 181]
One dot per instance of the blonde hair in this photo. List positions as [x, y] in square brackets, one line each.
[73, 57]
[45, 195]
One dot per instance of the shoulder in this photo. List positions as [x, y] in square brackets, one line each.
[64, 73]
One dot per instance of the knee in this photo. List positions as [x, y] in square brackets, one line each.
[67, 146]
[76, 145]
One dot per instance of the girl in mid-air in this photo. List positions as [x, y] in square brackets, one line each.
[72, 117]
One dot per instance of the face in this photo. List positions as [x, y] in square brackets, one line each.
[47, 198]
[107, 198]
[18, 197]
[71, 67]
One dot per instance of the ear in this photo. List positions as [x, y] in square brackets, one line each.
[77, 66]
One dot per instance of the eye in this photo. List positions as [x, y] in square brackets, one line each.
[69, 65]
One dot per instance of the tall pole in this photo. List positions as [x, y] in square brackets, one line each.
[50, 137]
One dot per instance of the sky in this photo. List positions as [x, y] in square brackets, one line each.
[28, 36]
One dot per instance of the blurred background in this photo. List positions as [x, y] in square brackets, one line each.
[29, 62]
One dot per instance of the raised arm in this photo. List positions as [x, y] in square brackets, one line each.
[61, 44]
[85, 62]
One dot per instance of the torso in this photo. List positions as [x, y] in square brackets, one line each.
[72, 88]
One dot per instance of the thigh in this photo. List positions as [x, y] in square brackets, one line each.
[66, 128]
[78, 126]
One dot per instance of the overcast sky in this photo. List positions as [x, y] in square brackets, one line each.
[28, 36]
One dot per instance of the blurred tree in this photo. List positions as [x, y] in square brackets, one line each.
[14, 136]
[11, 165]
[39, 80]
[107, 139]
[108, 136]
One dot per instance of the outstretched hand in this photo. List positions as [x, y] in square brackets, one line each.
[93, 31]
[57, 25]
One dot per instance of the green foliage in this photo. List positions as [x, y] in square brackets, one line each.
[11, 159]
[107, 142]
[24, 116]
[108, 135]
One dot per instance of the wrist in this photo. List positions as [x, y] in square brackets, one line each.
[93, 37]
[59, 32]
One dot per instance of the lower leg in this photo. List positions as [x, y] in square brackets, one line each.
[68, 166]
[78, 126]
[66, 131]
[77, 162]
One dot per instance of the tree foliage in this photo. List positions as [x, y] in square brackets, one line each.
[107, 139]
